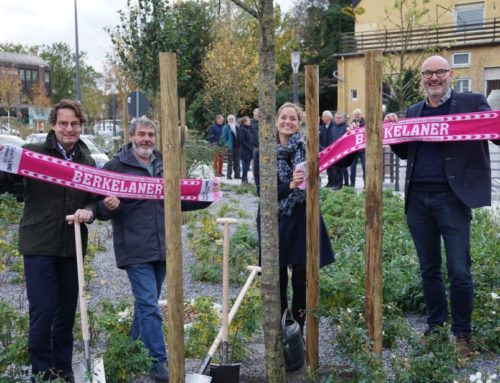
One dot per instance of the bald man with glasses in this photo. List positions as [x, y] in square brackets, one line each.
[444, 181]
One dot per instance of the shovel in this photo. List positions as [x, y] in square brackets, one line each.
[90, 371]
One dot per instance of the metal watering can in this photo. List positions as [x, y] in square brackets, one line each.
[293, 342]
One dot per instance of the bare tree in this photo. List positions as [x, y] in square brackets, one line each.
[264, 13]
[405, 53]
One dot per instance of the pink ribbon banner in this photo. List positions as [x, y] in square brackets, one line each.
[30, 164]
[452, 127]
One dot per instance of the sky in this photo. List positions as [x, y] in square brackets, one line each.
[45, 22]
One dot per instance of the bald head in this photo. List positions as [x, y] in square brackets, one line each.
[436, 60]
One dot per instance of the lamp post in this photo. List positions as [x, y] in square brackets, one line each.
[77, 58]
[113, 107]
[295, 57]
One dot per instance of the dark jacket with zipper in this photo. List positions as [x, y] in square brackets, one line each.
[43, 229]
[138, 225]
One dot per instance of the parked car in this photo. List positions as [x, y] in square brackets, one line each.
[98, 154]
[16, 188]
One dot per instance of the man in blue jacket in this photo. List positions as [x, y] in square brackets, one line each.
[329, 132]
[215, 140]
[444, 181]
[139, 239]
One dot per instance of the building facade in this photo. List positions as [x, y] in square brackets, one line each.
[33, 75]
[466, 32]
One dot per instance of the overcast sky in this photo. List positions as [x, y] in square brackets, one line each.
[45, 22]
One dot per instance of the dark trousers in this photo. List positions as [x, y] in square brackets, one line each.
[52, 288]
[361, 156]
[336, 176]
[233, 163]
[431, 216]
[345, 175]
[246, 167]
[298, 292]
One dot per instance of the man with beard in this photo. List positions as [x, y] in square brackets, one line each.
[139, 239]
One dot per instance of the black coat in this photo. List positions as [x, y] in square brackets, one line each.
[138, 225]
[246, 142]
[292, 228]
[330, 133]
[467, 163]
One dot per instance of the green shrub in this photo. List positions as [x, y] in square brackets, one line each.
[13, 342]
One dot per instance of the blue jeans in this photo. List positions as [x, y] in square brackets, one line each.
[146, 280]
[431, 216]
[52, 288]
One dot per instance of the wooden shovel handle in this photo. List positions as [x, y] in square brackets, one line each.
[81, 278]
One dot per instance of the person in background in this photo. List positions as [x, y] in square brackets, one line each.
[231, 141]
[246, 147]
[329, 136]
[254, 123]
[290, 152]
[47, 243]
[326, 138]
[214, 138]
[358, 121]
[139, 239]
[444, 182]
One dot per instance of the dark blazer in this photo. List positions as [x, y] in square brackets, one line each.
[330, 133]
[467, 163]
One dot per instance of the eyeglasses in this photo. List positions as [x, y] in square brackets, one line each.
[65, 124]
[440, 73]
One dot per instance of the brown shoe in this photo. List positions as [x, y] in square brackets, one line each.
[463, 342]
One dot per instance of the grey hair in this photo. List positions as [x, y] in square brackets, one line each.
[327, 113]
[142, 121]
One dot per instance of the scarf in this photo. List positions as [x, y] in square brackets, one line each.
[289, 156]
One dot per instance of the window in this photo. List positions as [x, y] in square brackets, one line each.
[47, 77]
[462, 85]
[354, 95]
[34, 75]
[460, 59]
[22, 75]
[28, 75]
[469, 16]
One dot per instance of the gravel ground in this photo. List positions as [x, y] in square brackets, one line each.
[112, 283]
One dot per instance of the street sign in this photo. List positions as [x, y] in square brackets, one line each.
[138, 104]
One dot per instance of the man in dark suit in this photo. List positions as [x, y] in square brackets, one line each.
[444, 181]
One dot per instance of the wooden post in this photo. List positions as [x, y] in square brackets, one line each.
[125, 119]
[173, 219]
[184, 137]
[373, 210]
[312, 214]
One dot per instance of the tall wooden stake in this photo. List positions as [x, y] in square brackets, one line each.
[173, 219]
[373, 210]
[312, 214]
[184, 136]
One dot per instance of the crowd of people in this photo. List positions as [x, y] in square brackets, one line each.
[444, 181]
[236, 141]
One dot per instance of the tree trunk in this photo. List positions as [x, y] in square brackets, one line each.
[270, 291]
[268, 196]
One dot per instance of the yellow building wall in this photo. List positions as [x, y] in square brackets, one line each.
[380, 14]
[351, 68]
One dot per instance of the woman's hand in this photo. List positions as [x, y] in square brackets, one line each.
[297, 178]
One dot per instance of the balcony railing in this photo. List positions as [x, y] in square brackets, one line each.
[439, 36]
